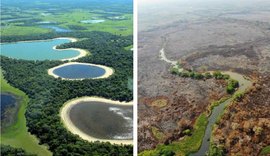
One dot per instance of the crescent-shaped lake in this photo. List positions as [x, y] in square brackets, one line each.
[38, 50]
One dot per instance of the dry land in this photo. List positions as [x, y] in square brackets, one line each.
[201, 40]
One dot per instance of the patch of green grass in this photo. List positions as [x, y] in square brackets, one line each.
[265, 150]
[22, 30]
[157, 133]
[17, 134]
[186, 146]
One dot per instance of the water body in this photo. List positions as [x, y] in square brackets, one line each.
[79, 71]
[121, 28]
[56, 28]
[217, 111]
[37, 50]
[6, 101]
[92, 21]
[103, 120]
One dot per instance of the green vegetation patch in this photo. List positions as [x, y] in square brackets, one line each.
[17, 135]
[186, 146]
[157, 133]
[232, 86]
[216, 103]
[7, 150]
[20, 31]
[265, 150]
[48, 94]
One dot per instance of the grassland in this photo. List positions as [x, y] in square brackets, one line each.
[17, 134]
[11, 30]
[186, 146]
[64, 20]
[159, 135]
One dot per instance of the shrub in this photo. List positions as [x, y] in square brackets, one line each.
[217, 75]
[187, 132]
[207, 75]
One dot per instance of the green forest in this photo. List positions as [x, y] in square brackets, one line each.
[47, 94]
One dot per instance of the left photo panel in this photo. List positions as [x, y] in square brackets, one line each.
[66, 77]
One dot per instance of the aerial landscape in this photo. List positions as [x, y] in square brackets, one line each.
[66, 77]
[203, 77]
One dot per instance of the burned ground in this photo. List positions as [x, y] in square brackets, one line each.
[220, 41]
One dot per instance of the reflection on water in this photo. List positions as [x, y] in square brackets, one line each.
[37, 50]
[56, 28]
[103, 120]
[92, 21]
[124, 114]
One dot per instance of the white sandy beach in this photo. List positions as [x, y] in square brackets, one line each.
[108, 71]
[68, 38]
[64, 114]
[81, 51]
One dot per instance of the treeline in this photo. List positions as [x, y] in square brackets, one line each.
[232, 84]
[51, 35]
[48, 94]
[7, 150]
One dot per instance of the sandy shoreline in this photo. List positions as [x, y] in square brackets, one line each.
[82, 53]
[108, 71]
[64, 114]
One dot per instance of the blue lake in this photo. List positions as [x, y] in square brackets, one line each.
[92, 21]
[79, 71]
[6, 101]
[56, 28]
[37, 50]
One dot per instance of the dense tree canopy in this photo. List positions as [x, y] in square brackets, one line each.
[11, 151]
[48, 94]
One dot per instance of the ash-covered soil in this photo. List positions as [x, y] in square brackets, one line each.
[201, 40]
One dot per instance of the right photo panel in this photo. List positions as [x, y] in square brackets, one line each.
[203, 77]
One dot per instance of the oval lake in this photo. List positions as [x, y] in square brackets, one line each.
[102, 120]
[79, 71]
[38, 50]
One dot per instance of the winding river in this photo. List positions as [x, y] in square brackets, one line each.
[218, 110]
